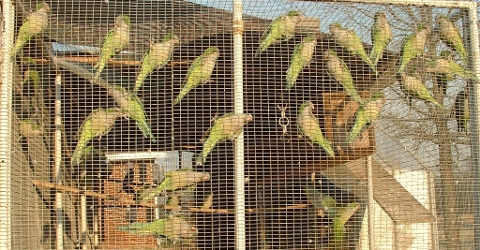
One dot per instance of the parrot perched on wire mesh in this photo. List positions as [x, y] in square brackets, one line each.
[337, 68]
[29, 128]
[199, 72]
[228, 126]
[173, 180]
[172, 228]
[366, 114]
[97, 124]
[413, 86]
[462, 111]
[381, 36]
[157, 57]
[36, 23]
[116, 39]
[451, 36]
[308, 126]
[132, 106]
[348, 39]
[301, 58]
[339, 213]
[413, 46]
[281, 28]
[449, 67]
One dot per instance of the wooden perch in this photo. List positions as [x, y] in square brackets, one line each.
[124, 202]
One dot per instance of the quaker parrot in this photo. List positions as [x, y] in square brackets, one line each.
[98, 123]
[281, 28]
[451, 36]
[462, 111]
[381, 36]
[348, 39]
[366, 114]
[413, 46]
[308, 126]
[228, 126]
[36, 23]
[337, 68]
[449, 67]
[199, 72]
[413, 86]
[116, 39]
[132, 106]
[157, 57]
[29, 128]
[172, 228]
[174, 180]
[339, 213]
[301, 58]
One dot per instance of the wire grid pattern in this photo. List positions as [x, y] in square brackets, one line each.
[421, 153]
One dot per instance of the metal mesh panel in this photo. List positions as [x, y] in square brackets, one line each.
[156, 168]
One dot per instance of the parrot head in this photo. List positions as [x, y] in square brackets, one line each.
[308, 105]
[335, 26]
[172, 37]
[43, 6]
[122, 19]
[440, 18]
[294, 13]
[30, 74]
[329, 53]
[310, 38]
[380, 16]
[247, 117]
[211, 50]
[423, 28]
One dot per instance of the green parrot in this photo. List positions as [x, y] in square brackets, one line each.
[443, 79]
[329, 207]
[36, 23]
[337, 68]
[366, 114]
[29, 128]
[172, 228]
[413, 86]
[307, 125]
[157, 57]
[344, 213]
[97, 124]
[413, 46]
[115, 41]
[281, 28]
[173, 180]
[301, 58]
[451, 36]
[381, 36]
[132, 106]
[199, 72]
[228, 126]
[462, 111]
[348, 39]
[449, 67]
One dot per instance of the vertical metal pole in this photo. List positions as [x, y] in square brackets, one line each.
[240, 236]
[57, 172]
[6, 124]
[371, 205]
[474, 97]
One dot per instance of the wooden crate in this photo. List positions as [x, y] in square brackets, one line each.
[339, 118]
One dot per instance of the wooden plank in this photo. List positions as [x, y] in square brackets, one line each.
[395, 200]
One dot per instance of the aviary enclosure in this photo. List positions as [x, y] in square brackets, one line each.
[263, 124]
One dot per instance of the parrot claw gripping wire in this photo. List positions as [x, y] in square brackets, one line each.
[283, 121]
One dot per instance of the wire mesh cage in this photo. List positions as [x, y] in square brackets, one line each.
[193, 125]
